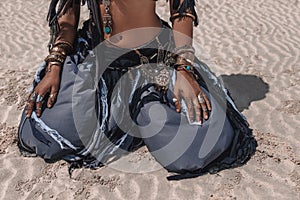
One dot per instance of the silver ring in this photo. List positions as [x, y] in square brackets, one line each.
[38, 108]
[174, 100]
[204, 109]
[39, 98]
[53, 95]
[32, 96]
[200, 98]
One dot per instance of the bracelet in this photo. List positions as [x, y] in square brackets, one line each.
[54, 58]
[187, 68]
[180, 15]
[62, 46]
[187, 58]
[185, 55]
[50, 64]
[58, 50]
[183, 49]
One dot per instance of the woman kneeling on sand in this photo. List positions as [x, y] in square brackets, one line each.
[127, 79]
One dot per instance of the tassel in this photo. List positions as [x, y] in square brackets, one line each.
[176, 4]
[52, 10]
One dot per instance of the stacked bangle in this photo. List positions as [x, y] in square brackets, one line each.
[55, 58]
[57, 55]
[185, 59]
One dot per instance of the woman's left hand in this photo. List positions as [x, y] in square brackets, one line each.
[187, 88]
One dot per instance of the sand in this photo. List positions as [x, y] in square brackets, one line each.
[252, 45]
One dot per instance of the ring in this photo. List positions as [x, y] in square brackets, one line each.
[175, 100]
[53, 95]
[39, 98]
[204, 109]
[200, 98]
[38, 108]
[32, 96]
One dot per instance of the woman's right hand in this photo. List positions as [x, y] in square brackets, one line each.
[49, 84]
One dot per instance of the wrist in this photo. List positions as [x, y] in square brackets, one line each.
[53, 68]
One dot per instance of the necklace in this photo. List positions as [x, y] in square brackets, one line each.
[107, 18]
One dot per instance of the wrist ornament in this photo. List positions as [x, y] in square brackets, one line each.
[185, 60]
[58, 54]
[182, 15]
[51, 64]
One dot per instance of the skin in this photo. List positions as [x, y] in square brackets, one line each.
[126, 15]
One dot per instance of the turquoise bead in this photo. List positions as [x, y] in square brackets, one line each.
[107, 29]
[188, 67]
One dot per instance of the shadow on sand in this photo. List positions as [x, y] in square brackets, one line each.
[245, 89]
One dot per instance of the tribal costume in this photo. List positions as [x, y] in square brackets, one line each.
[123, 91]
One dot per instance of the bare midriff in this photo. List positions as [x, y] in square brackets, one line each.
[134, 22]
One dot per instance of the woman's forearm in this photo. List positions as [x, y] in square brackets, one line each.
[182, 21]
[68, 23]
[183, 32]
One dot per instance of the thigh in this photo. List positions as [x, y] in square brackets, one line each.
[178, 145]
[62, 129]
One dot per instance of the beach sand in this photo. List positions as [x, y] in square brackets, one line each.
[253, 46]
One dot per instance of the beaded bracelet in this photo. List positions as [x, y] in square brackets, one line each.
[187, 68]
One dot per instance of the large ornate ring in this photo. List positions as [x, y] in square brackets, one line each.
[32, 96]
[200, 98]
[39, 98]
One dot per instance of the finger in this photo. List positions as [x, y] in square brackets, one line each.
[30, 104]
[39, 104]
[38, 108]
[206, 101]
[189, 103]
[202, 102]
[52, 97]
[177, 102]
[204, 110]
[197, 110]
[29, 108]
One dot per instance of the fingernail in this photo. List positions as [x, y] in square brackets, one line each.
[177, 110]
